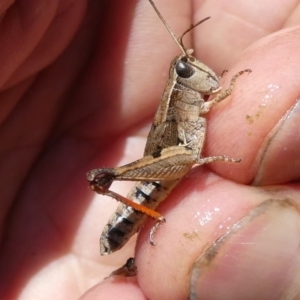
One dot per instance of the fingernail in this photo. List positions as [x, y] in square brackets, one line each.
[258, 258]
[281, 150]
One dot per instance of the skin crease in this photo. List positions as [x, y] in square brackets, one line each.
[79, 82]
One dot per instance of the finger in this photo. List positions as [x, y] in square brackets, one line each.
[217, 236]
[234, 26]
[25, 35]
[257, 123]
[28, 30]
[117, 287]
[172, 260]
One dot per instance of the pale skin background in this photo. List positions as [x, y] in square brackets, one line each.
[80, 81]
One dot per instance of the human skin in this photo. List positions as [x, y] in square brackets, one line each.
[80, 81]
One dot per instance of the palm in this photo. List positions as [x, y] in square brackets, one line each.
[74, 105]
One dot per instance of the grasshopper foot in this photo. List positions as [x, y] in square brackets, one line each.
[158, 223]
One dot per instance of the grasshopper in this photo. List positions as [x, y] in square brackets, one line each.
[174, 145]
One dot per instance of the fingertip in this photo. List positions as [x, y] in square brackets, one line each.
[255, 259]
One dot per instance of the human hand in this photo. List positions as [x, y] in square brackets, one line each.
[84, 109]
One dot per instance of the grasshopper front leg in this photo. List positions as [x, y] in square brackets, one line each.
[224, 93]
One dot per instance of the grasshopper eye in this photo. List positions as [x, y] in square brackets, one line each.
[184, 70]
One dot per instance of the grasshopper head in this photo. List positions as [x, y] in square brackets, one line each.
[195, 75]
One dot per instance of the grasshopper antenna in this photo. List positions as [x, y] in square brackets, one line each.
[191, 28]
[178, 41]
